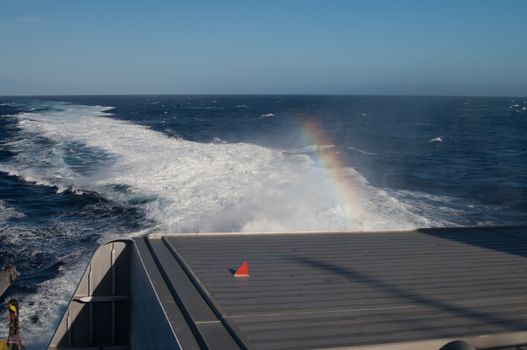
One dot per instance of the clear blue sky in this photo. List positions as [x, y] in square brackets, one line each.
[457, 47]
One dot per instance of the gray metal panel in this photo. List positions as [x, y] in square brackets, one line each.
[208, 328]
[91, 319]
[185, 291]
[353, 289]
[100, 278]
[156, 320]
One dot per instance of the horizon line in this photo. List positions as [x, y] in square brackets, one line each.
[261, 94]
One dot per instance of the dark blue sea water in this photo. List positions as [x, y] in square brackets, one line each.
[77, 171]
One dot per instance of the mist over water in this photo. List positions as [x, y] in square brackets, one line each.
[75, 172]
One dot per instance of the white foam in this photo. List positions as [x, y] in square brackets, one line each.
[202, 187]
[362, 151]
[267, 115]
[436, 139]
[448, 210]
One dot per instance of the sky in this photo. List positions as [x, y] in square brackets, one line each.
[403, 47]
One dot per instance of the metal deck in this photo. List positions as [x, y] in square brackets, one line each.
[391, 290]
[380, 290]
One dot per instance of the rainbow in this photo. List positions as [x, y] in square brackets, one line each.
[331, 161]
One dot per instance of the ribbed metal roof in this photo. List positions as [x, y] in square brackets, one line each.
[331, 290]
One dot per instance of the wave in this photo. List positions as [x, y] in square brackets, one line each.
[7, 213]
[27, 246]
[362, 151]
[207, 108]
[195, 186]
[309, 150]
[312, 149]
[448, 210]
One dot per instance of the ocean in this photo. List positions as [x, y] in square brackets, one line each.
[78, 171]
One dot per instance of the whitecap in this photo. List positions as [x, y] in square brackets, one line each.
[362, 151]
[218, 140]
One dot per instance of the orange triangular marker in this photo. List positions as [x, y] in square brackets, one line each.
[243, 270]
